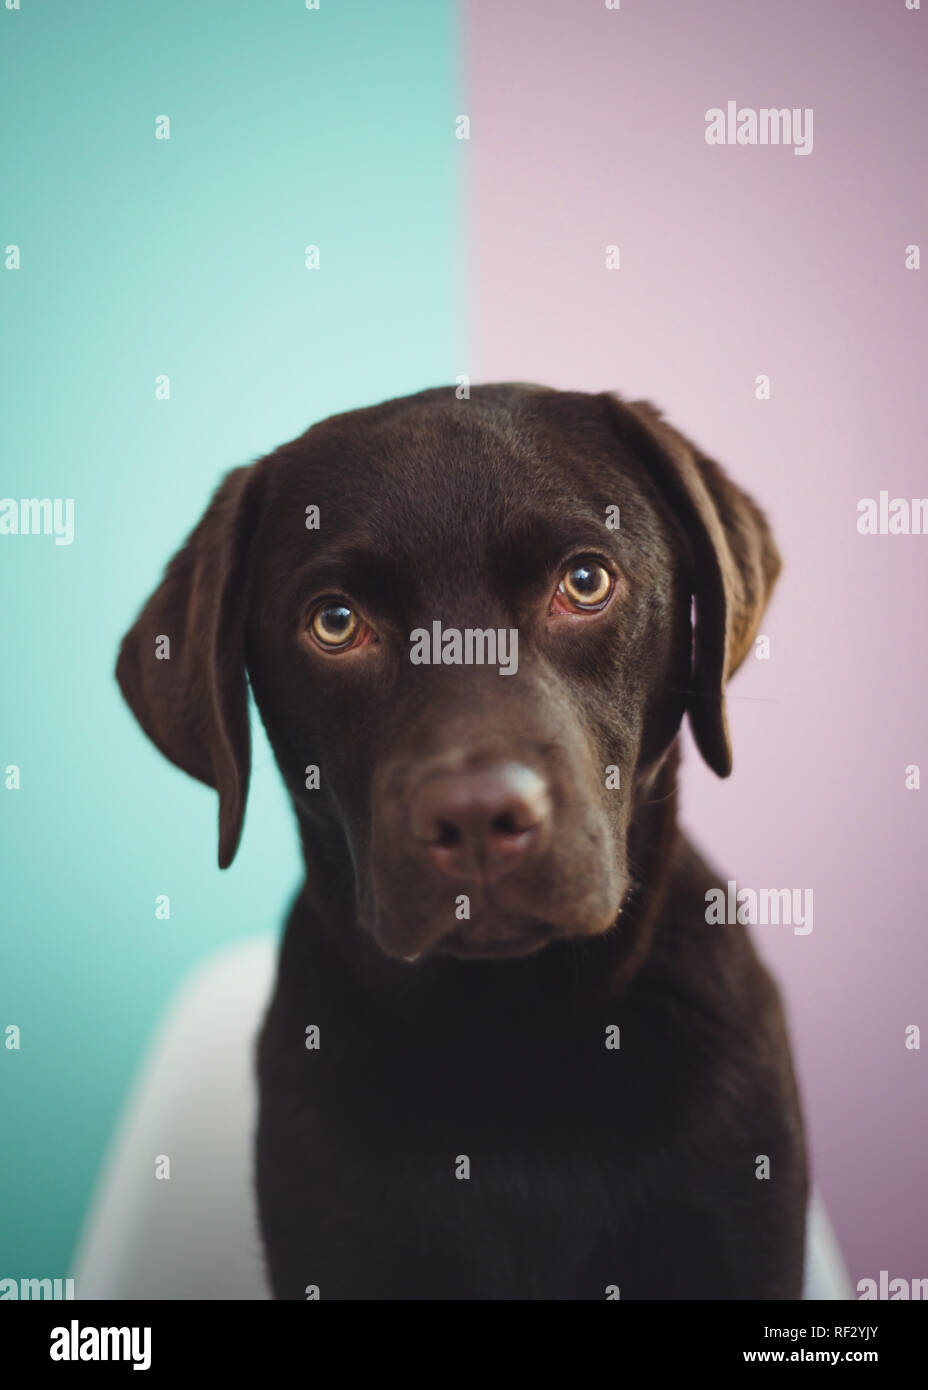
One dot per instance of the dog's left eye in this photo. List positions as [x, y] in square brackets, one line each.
[335, 627]
[586, 587]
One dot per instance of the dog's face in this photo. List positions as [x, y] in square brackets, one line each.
[468, 628]
[478, 789]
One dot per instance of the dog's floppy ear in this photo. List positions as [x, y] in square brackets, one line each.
[735, 564]
[181, 667]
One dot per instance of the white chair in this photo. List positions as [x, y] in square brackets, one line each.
[195, 1236]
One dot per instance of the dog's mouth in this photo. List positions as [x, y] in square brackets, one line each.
[496, 931]
[495, 942]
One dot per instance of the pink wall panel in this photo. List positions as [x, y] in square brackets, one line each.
[588, 128]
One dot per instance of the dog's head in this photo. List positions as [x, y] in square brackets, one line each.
[472, 628]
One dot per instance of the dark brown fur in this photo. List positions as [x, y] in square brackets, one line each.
[590, 1168]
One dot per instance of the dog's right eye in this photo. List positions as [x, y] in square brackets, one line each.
[335, 627]
[586, 587]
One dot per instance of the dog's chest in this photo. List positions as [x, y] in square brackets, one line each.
[502, 1174]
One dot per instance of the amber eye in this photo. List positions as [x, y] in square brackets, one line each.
[586, 585]
[334, 625]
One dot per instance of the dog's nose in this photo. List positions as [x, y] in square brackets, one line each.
[481, 823]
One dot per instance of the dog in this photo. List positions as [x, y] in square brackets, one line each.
[506, 1057]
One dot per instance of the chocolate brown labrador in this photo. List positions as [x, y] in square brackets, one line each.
[506, 1056]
